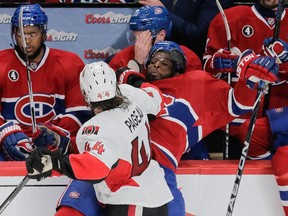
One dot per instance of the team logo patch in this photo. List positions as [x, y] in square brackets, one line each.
[33, 65]
[90, 129]
[158, 11]
[247, 31]
[278, 110]
[74, 195]
[43, 106]
[13, 75]
[271, 21]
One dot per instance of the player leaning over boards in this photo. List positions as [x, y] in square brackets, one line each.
[55, 90]
[114, 148]
[191, 112]
[149, 25]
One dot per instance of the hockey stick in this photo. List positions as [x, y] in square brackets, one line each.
[31, 100]
[32, 111]
[245, 149]
[280, 10]
[228, 36]
[227, 28]
[14, 193]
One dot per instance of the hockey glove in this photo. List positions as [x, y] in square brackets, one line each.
[277, 49]
[52, 137]
[41, 163]
[251, 68]
[222, 61]
[131, 77]
[15, 144]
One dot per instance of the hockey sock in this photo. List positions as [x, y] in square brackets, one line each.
[280, 170]
[68, 211]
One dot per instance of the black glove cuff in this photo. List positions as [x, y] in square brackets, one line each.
[135, 81]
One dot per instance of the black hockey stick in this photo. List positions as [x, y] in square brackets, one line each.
[280, 9]
[245, 150]
[30, 92]
[32, 112]
[228, 36]
[14, 193]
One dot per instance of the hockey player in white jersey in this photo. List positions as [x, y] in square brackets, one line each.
[114, 148]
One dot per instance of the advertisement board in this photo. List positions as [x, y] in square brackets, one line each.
[94, 33]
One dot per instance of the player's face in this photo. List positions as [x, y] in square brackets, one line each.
[271, 4]
[34, 40]
[160, 67]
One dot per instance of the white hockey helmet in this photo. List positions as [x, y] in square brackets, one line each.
[98, 82]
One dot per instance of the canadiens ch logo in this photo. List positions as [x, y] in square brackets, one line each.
[278, 110]
[247, 31]
[13, 75]
[74, 195]
[44, 108]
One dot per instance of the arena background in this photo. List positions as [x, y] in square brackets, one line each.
[95, 32]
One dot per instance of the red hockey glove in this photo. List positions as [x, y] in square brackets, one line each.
[15, 144]
[53, 137]
[251, 68]
[131, 77]
[222, 61]
[277, 49]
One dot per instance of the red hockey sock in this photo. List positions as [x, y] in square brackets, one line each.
[280, 170]
[68, 211]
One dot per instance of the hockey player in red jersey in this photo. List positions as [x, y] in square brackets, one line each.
[190, 112]
[55, 86]
[255, 27]
[149, 24]
[114, 147]
[251, 27]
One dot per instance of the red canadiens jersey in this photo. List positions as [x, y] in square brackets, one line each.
[195, 105]
[55, 86]
[122, 58]
[115, 151]
[248, 31]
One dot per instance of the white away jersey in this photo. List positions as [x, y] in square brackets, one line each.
[115, 150]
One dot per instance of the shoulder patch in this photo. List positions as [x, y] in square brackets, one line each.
[13, 75]
[90, 129]
[247, 31]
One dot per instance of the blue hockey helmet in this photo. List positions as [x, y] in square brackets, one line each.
[177, 56]
[33, 15]
[153, 18]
